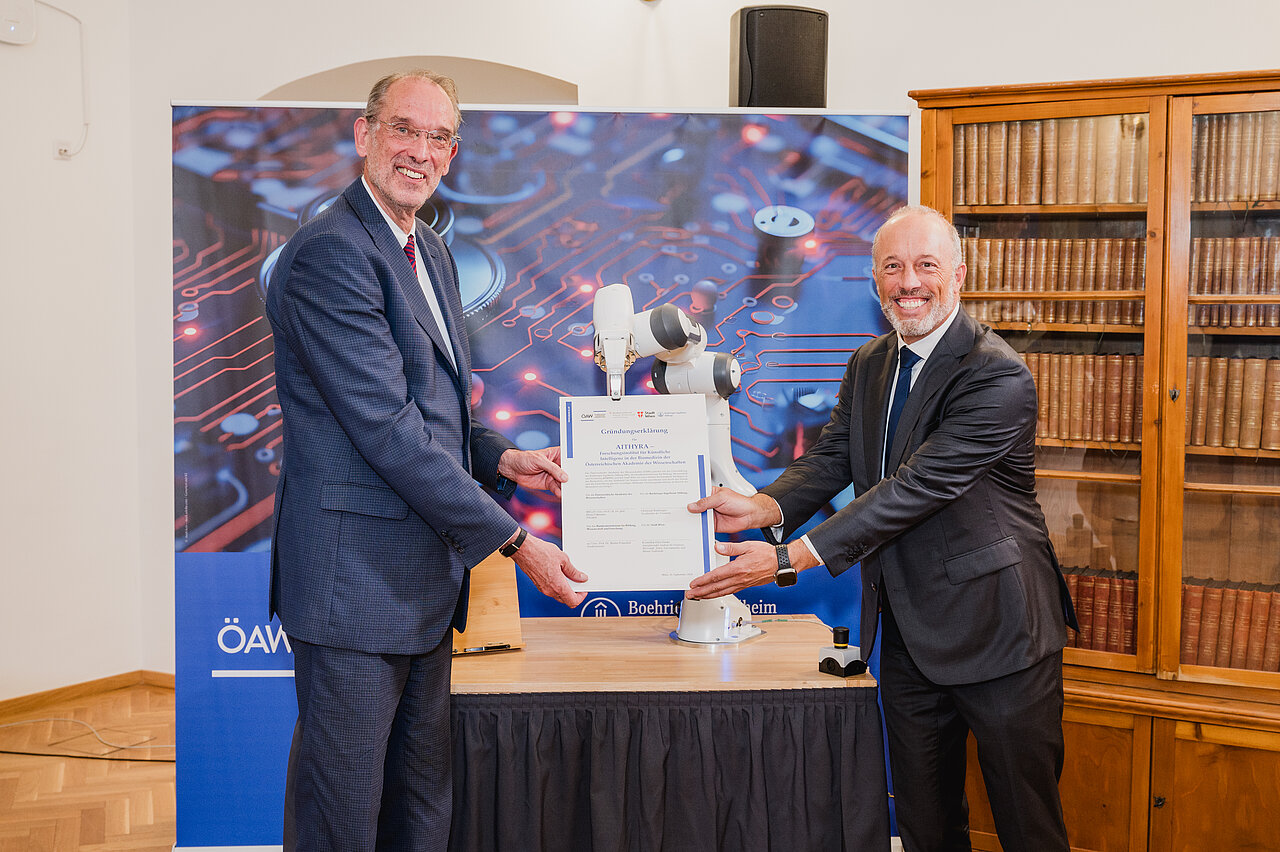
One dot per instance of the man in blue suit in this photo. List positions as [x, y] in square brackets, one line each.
[934, 425]
[380, 511]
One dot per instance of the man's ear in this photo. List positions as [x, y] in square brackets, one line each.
[362, 131]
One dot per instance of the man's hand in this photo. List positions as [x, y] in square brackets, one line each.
[754, 564]
[735, 512]
[536, 469]
[550, 570]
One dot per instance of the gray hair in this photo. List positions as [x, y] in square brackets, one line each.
[919, 210]
[378, 94]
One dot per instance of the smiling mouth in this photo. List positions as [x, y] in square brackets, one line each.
[910, 303]
[410, 173]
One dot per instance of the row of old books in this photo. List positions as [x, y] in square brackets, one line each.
[1066, 311]
[1236, 157]
[1098, 159]
[1045, 265]
[1087, 397]
[1106, 608]
[1233, 402]
[1230, 625]
[1239, 266]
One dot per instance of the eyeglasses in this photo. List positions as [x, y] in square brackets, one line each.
[437, 139]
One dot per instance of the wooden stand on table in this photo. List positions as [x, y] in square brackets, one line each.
[493, 615]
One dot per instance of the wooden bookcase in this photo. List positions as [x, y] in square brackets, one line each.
[1124, 235]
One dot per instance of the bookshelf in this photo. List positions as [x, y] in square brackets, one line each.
[1225, 202]
[1124, 236]
[1058, 219]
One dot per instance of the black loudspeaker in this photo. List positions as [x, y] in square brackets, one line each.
[779, 57]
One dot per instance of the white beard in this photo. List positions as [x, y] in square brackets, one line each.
[939, 310]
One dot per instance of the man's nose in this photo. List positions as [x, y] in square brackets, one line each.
[420, 148]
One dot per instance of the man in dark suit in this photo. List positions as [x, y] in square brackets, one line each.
[954, 550]
[380, 513]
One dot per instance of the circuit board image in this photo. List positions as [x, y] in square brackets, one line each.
[758, 225]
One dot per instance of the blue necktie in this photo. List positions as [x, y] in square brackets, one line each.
[906, 360]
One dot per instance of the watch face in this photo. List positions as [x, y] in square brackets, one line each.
[785, 578]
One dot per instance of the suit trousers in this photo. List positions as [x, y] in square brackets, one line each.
[1016, 722]
[370, 767]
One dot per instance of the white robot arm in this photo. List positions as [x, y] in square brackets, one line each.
[681, 365]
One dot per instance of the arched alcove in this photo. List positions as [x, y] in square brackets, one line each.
[479, 82]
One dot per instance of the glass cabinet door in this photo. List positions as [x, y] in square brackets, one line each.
[1227, 156]
[1054, 213]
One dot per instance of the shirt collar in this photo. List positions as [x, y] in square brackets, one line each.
[391, 223]
[924, 346]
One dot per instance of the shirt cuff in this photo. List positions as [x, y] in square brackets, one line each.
[777, 528]
[812, 549]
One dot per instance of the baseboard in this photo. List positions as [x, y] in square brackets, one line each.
[26, 703]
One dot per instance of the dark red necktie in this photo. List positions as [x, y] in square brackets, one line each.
[409, 252]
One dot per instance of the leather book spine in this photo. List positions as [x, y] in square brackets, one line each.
[1031, 169]
[1262, 601]
[1192, 597]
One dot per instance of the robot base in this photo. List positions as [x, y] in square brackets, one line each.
[715, 621]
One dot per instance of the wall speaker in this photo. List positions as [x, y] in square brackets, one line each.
[779, 57]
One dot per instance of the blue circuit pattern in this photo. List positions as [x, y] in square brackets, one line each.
[758, 225]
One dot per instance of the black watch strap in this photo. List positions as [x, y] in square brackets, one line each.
[509, 550]
[785, 575]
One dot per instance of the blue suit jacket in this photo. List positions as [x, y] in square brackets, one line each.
[954, 531]
[379, 512]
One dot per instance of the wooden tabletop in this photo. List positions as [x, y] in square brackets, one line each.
[637, 654]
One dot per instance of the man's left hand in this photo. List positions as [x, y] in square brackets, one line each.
[550, 570]
[753, 564]
[536, 469]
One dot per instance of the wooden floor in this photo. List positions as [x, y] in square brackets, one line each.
[61, 788]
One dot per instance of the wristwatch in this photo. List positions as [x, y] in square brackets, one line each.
[785, 575]
[509, 549]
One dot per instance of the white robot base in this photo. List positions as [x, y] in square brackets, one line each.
[715, 621]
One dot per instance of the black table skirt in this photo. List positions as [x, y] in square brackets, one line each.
[789, 770]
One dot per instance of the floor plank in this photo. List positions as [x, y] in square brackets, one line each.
[63, 789]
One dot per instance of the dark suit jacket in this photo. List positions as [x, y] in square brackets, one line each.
[954, 531]
[379, 510]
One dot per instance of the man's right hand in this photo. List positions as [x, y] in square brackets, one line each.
[735, 512]
[550, 570]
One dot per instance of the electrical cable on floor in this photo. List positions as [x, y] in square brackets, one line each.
[96, 735]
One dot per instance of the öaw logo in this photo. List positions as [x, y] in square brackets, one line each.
[267, 638]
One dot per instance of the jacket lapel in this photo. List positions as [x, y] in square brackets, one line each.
[877, 396]
[406, 276]
[443, 279]
[440, 270]
[935, 374]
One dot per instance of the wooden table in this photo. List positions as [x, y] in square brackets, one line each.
[607, 734]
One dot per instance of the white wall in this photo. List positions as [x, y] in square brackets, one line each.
[86, 511]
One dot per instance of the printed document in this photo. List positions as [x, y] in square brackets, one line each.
[634, 464]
